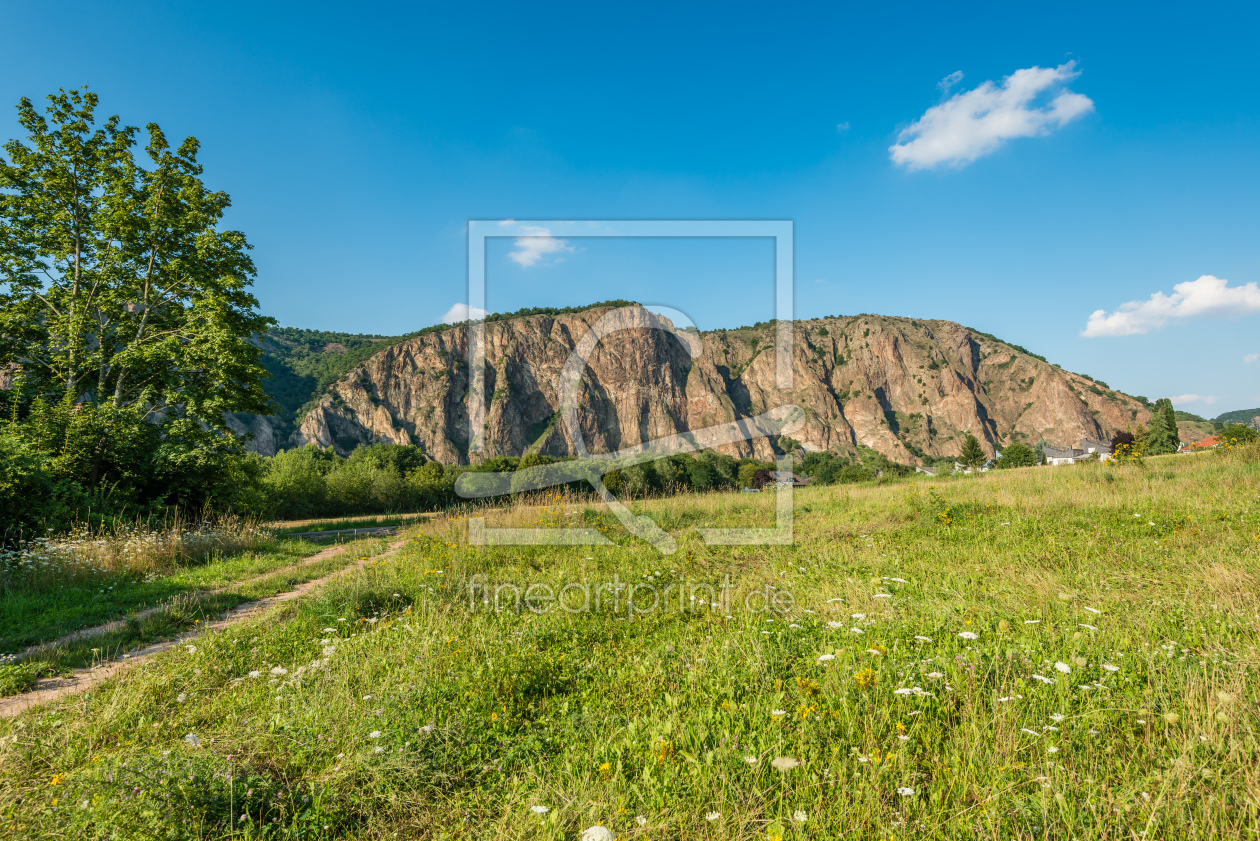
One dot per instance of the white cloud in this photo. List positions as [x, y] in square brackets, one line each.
[974, 123]
[1251, 357]
[1182, 399]
[463, 312]
[842, 127]
[950, 80]
[537, 244]
[1207, 296]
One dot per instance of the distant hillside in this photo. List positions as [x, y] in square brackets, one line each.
[1247, 417]
[303, 363]
[1191, 427]
[910, 389]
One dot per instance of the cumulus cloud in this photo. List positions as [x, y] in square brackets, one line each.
[842, 127]
[1182, 399]
[1208, 296]
[1251, 357]
[536, 244]
[463, 312]
[971, 124]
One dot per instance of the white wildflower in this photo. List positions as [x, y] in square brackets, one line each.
[1043, 679]
[784, 763]
[826, 658]
[799, 816]
[279, 670]
[1060, 666]
[905, 791]
[375, 734]
[969, 635]
[923, 639]
[538, 810]
[712, 816]
[1110, 667]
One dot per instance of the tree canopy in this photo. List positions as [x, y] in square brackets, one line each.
[116, 285]
[972, 453]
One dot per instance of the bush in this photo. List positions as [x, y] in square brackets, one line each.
[1237, 434]
[1017, 455]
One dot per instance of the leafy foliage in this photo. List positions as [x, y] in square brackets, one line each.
[1017, 455]
[116, 285]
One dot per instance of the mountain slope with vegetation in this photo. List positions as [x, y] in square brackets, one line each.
[909, 389]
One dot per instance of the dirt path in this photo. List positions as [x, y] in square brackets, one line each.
[101, 630]
[50, 689]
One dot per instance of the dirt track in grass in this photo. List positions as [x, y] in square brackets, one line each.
[81, 680]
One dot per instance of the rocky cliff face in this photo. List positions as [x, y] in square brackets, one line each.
[906, 388]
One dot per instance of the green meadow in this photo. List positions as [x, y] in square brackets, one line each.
[1034, 653]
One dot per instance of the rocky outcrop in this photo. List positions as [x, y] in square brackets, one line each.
[904, 387]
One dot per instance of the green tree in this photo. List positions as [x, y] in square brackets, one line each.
[1161, 432]
[116, 285]
[972, 453]
[1237, 434]
[1017, 455]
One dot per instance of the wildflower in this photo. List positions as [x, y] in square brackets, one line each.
[606, 770]
[751, 760]
[1060, 666]
[799, 816]
[181, 697]
[906, 791]
[864, 678]
[1057, 717]
[640, 820]
[784, 763]
[826, 658]
[596, 833]
[1043, 679]
[969, 635]
[858, 616]
[923, 639]
[375, 734]
[778, 713]
[1029, 732]
[367, 697]
[875, 652]
[857, 630]
[539, 810]
[378, 750]
[1090, 627]
[712, 816]
[428, 728]
[192, 739]
[279, 670]
[1032, 621]
[1052, 750]
[1110, 667]
[191, 649]
[1171, 718]
[1092, 610]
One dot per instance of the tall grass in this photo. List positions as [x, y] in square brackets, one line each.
[126, 551]
[1066, 653]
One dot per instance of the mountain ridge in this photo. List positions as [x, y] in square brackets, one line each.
[908, 388]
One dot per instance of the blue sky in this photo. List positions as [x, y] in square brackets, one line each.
[1086, 159]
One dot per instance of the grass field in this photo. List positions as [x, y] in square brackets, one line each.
[333, 523]
[1048, 653]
